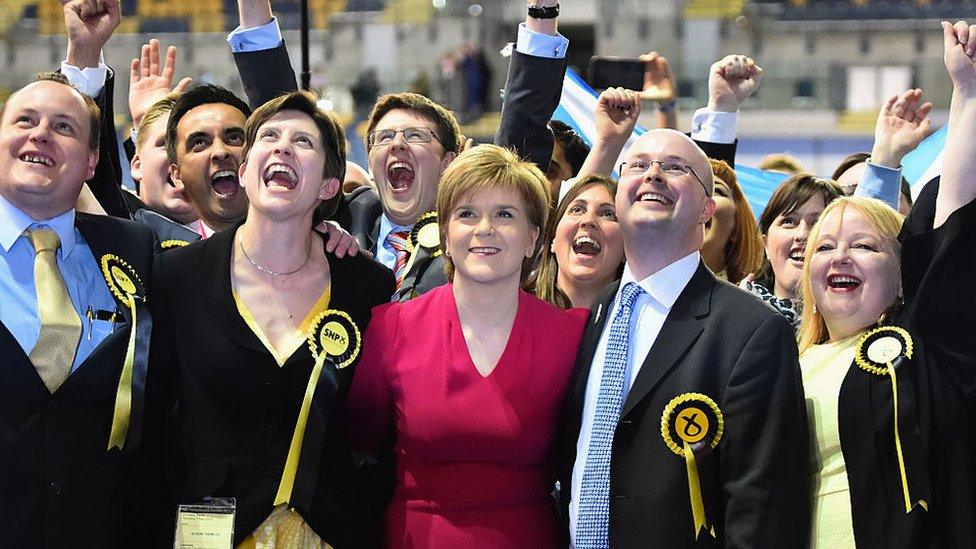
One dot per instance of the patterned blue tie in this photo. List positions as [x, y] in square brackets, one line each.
[593, 519]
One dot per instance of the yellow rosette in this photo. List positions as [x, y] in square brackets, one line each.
[697, 422]
[876, 353]
[125, 284]
[426, 235]
[332, 336]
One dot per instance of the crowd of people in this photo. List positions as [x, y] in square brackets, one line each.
[517, 344]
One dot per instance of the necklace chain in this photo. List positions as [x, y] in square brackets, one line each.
[308, 255]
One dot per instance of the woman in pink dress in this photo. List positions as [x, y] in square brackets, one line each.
[472, 374]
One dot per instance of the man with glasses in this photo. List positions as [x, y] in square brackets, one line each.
[411, 139]
[685, 418]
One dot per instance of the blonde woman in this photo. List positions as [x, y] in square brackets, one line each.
[888, 354]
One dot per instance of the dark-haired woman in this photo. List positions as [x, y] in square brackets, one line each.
[235, 344]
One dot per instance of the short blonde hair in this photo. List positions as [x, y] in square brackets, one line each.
[158, 110]
[813, 328]
[490, 166]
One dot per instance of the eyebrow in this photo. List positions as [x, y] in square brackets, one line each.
[61, 116]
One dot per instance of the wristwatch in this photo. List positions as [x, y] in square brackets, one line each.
[547, 12]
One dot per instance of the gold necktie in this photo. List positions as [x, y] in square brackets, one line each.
[57, 341]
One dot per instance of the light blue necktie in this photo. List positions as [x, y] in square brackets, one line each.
[593, 520]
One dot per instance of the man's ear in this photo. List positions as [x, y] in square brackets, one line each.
[135, 167]
[708, 210]
[174, 176]
[447, 159]
[92, 162]
[329, 188]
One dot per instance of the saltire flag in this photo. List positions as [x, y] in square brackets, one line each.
[925, 162]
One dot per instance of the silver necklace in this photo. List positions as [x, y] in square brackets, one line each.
[308, 255]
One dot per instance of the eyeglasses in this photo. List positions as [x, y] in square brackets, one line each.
[415, 136]
[673, 168]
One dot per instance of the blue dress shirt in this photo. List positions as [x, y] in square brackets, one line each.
[80, 270]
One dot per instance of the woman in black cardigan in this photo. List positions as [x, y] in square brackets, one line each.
[888, 355]
[256, 341]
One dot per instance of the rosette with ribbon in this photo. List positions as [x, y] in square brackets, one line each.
[334, 338]
[881, 352]
[692, 425]
[424, 244]
[127, 287]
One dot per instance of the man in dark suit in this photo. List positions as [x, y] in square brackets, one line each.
[406, 169]
[68, 286]
[684, 425]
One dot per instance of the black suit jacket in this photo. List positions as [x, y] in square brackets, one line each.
[238, 408]
[724, 343]
[107, 181]
[59, 485]
[531, 96]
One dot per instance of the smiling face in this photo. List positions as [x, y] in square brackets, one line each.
[209, 144]
[672, 207]
[284, 170]
[719, 228]
[150, 167]
[488, 237]
[45, 155]
[785, 242]
[407, 174]
[854, 272]
[587, 244]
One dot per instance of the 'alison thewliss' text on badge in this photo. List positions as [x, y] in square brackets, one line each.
[693, 424]
[880, 352]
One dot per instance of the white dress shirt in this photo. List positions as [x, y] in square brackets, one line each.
[661, 290]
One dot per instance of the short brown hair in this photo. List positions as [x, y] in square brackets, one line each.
[448, 131]
[781, 162]
[744, 250]
[158, 110]
[490, 166]
[330, 130]
[94, 113]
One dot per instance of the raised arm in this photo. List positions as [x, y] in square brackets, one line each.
[260, 53]
[659, 87]
[958, 185]
[150, 81]
[731, 80]
[617, 110]
[89, 24]
[535, 82]
[902, 124]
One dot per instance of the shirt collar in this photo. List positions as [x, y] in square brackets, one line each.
[667, 284]
[13, 223]
[387, 227]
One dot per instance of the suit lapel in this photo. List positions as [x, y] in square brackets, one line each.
[17, 370]
[584, 359]
[681, 328]
[215, 255]
[100, 242]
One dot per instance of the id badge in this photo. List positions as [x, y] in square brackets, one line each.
[206, 525]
